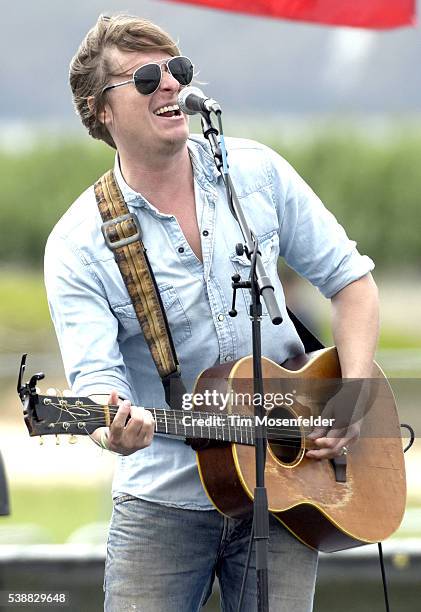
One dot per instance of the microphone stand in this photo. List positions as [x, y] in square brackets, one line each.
[260, 286]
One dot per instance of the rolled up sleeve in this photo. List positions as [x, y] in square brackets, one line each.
[312, 241]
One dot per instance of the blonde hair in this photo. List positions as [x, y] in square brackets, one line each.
[90, 68]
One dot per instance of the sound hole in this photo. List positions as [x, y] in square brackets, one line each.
[284, 441]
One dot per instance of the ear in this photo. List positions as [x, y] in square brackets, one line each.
[90, 102]
[101, 114]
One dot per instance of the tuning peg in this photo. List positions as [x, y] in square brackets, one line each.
[72, 439]
[67, 393]
[52, 391]
[57, 440]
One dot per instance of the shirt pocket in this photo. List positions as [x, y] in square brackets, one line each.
[177, 319]
[269, 249]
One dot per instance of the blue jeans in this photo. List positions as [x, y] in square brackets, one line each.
[161, 558]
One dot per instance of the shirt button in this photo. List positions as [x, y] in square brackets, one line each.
[205, 233]
[221, 317]
[228, 358]
[181, 249]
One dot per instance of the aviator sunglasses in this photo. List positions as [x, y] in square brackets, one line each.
[147, 78]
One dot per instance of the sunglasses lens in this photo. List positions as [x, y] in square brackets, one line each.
[182, 69]
[147, 78]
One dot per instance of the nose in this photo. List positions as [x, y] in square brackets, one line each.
[168, 82]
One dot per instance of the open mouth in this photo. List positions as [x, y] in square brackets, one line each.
[168, 111]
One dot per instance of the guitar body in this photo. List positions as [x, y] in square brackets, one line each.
[304, 494]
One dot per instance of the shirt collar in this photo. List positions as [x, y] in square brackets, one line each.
[202, 160]
[130, 195]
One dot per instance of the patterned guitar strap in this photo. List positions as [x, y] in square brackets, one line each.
[123, 236]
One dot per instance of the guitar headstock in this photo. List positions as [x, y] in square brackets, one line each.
[57, 414]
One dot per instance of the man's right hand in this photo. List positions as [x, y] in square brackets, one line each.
[132, 428]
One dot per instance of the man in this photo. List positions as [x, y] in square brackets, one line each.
[166, 540]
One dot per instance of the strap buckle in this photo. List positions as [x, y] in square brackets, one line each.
[116, 244]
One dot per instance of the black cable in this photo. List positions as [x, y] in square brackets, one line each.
[411, 436]
[384, 579]
[379, 544]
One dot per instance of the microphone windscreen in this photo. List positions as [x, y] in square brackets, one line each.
[185, 107]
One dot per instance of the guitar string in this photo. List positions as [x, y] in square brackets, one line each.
[248, 435]
[172, 419]
[246, 440]
[245, 430]
[168, 414]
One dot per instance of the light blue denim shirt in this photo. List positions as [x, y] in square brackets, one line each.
[100, 339]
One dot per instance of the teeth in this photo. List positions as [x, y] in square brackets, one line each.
[166, 109]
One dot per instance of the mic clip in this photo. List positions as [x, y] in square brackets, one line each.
[237, 283]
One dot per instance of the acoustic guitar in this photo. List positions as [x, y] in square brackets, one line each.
[356, 499]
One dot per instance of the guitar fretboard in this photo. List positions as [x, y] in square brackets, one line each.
[210, 426]
[54, 415]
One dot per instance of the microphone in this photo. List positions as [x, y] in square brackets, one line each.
[192, 100]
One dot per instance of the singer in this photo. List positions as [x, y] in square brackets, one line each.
[166, 540]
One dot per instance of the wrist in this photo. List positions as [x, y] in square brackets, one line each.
[103, 439]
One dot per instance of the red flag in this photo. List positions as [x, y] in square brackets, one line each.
[358, 13]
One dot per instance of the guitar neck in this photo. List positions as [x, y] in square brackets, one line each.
[46, 415]
[204, 425]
